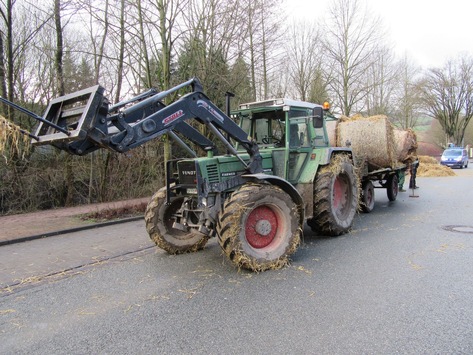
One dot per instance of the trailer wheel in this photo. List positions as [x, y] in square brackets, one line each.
[367, 197]
[392, 187]
[159, 221]
[335, 197]
[258, 227]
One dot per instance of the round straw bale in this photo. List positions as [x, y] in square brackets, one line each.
[371, 138]
[331, 127]
[406, 144]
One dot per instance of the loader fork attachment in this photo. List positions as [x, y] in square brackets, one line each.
[83, 115]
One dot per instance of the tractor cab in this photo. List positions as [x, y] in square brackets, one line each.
[287, 130]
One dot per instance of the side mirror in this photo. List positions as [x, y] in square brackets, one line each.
[318, 117]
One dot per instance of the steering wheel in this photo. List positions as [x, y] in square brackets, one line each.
[271, 139]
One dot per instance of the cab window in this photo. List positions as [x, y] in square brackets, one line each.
[267, 128]
[298, 133]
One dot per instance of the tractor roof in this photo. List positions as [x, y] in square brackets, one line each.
[274, 103]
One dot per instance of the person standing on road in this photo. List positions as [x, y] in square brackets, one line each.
[413, 171]
[401, 179]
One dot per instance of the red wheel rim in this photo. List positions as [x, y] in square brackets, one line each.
[369, 197]
[340, 195]
[261, 227]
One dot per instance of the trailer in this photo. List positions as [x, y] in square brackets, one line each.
[384, 178]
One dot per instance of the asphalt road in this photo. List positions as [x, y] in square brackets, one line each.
[400, 282]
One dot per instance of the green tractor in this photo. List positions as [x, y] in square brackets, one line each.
[277, 172]
[259, 216]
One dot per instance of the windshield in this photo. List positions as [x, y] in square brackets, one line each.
[452, 153]
[266, 127]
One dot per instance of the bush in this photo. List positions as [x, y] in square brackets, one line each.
[48, 178]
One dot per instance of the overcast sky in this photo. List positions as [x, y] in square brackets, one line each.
[428, 31]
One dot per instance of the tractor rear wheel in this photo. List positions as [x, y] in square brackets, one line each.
[335, 197]
[159, 220]
[259, 227]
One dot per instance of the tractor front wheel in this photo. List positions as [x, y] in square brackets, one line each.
[259, 227]
[159, 218]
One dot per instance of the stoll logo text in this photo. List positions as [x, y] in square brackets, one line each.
[170, 119]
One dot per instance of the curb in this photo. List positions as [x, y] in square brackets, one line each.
[70, 230]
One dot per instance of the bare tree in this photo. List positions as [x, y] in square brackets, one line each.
[207, 49]
[5, 50]
[145, 59]
[264, 35]
[304, 58]
[168, 12]
[381, 79]
[448, 96]
[102, 41]
[351, 41]
[6, 13]
[121, 51]
[18, 31]
[252, 46]
[407, 102]
[97, 24]
[59, 48]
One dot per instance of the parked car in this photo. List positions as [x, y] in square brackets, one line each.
[455, 157]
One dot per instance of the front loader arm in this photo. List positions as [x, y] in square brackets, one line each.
[169, 118]
[82, 122]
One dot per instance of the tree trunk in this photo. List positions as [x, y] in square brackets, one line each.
[59, 48]
[3, 85]
[69, 179]
[9, 84]
[58, 63]
[252, 53]
[265, 60]
[99, 55]
[121, 51]
[146, 64]
[165, 64]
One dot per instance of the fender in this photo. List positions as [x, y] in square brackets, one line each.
[327, 157]
[285, 186]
